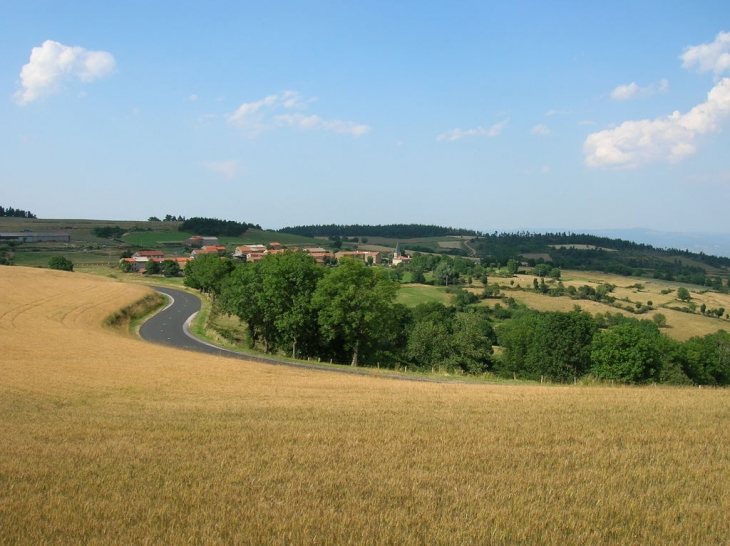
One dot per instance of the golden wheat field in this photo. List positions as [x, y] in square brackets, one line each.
[110, 440]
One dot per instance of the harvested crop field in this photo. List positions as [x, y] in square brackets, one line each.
[108, 439]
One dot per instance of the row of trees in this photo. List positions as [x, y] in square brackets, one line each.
[108, 232]
[393, 231]
[290, 305]
[15, 213]
[166, 218]
[348, 313]
[215, 228]
[566, 346]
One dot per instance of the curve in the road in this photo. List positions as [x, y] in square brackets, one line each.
[171, 326]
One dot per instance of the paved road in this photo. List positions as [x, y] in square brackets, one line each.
[170, 326]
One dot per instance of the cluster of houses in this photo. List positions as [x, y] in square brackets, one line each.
[253, 253]
[139, 260]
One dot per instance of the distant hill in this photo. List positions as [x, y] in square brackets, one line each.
[391, 231]
[717, 244]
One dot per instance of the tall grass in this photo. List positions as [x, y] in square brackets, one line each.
[108, 439]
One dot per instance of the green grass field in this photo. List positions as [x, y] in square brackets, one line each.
[413, 294]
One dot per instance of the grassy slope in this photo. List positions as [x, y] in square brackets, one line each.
[105, 436]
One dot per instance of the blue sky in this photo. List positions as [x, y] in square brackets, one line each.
[537, 115]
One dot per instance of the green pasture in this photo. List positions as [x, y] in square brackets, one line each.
[252, 236]
[39, 257]
[414, 294]
[152, 238]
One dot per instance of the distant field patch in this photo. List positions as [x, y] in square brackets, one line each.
[682, 325]
[413, 294]
[144, 238]
[450, 244]
[537, 255]
[584, 247]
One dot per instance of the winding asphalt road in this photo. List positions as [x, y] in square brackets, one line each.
[171, 325]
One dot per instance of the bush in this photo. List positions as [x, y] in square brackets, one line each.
[61, 263]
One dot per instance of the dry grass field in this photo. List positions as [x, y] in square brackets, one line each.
[110, 440]
[681, 326]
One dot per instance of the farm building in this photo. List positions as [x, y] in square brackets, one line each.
[363, 255]
[148, 254]
[199, 241]
[34, 237]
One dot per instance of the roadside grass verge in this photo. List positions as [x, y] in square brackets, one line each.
[128, 318]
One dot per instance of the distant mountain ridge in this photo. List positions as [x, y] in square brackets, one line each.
[716, 244]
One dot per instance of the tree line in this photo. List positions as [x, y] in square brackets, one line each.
[214, 227]
[348, 314]
[343, 314]
[567, 346]
[11, 212]
[391, 231]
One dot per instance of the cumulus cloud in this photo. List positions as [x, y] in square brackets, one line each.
[53, 63]
[540, 130]
[670, 138]
[456, 134]
[632, 90]
[257, 116]
[673, 137]
[227, 169]
[714, 57]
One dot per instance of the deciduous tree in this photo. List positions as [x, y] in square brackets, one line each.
[353, 302]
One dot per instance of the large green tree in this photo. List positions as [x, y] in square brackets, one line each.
[273, 298]
[354, 303]
[207, 272]
[554, 344]
[240, 296]
[628, 353]
[707, 358]
[288, 282]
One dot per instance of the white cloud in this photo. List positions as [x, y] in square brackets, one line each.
[246, 113]
[540, 130]
[556, 112]
[227, 169]
[53, 63]
[256, 116]
[193, 97]
[456, 134]
[713, 57]
[315, 122]
[632, 90]
[670, 138]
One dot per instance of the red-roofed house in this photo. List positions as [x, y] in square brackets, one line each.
[148, 254]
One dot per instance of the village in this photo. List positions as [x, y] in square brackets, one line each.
[251, 253]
